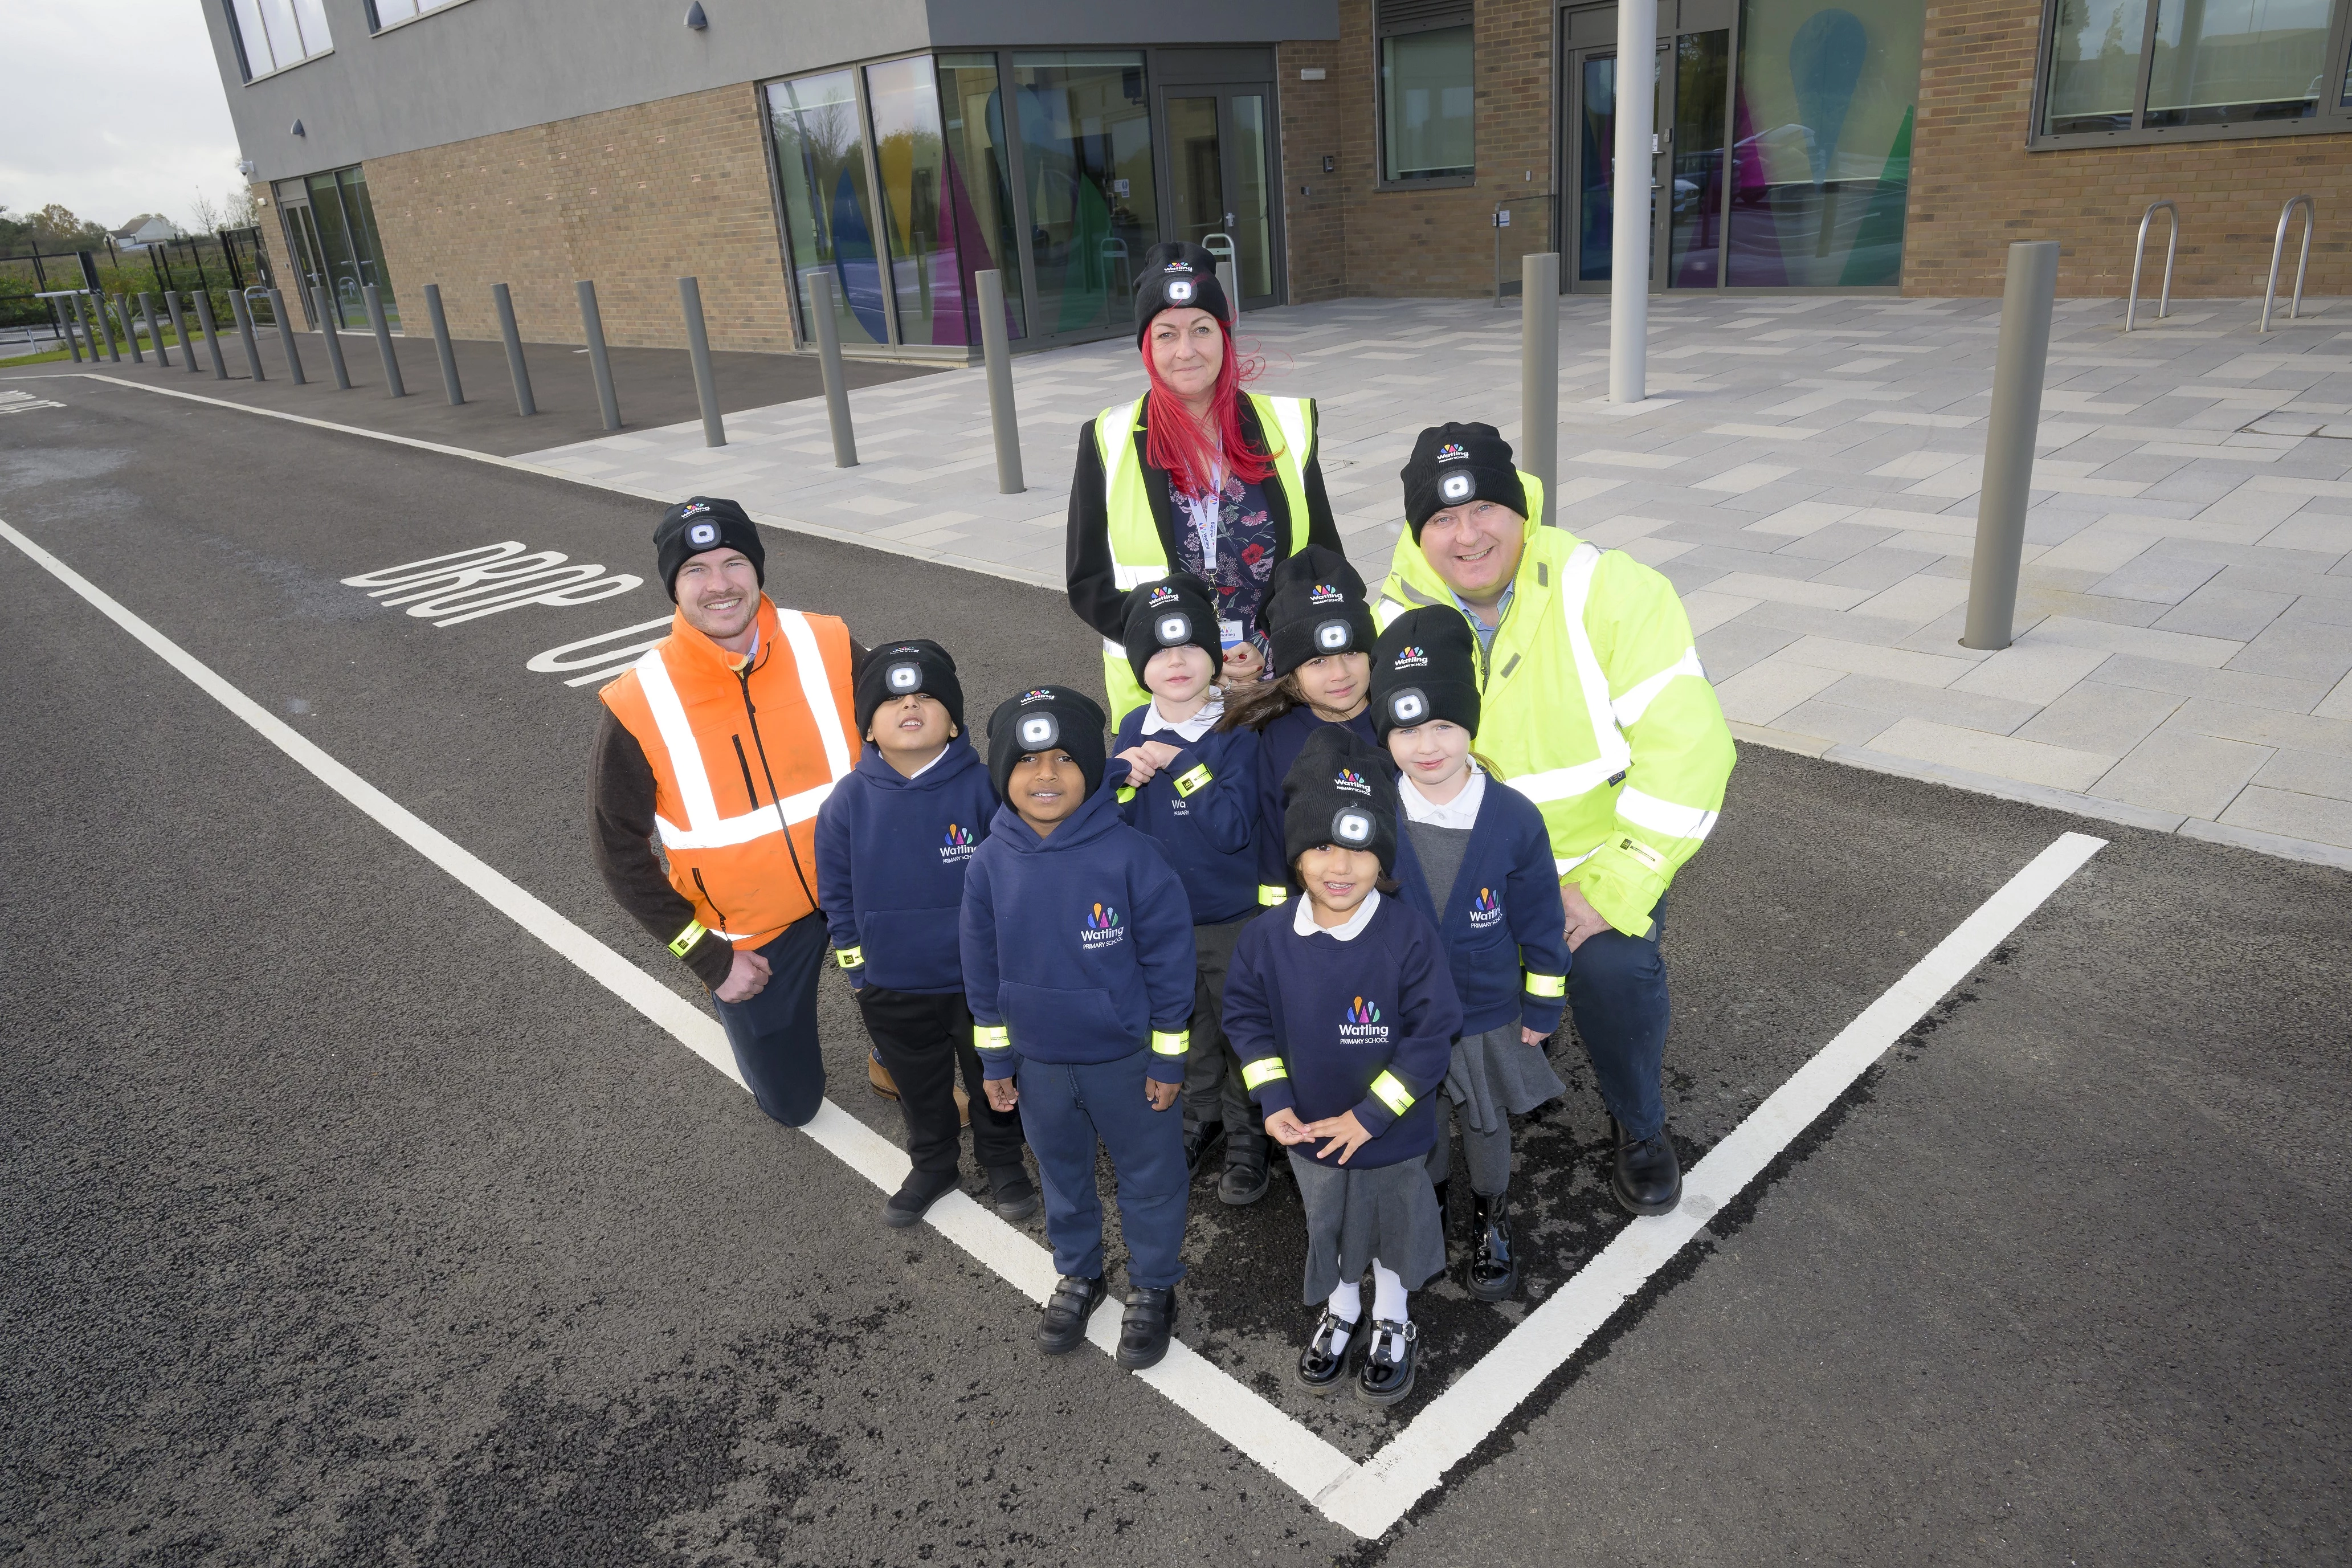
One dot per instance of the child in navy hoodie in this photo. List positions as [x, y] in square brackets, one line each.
[1343, 1013]
[1475, 861]
[1194, 790]
[1077, 960]
[892, 842]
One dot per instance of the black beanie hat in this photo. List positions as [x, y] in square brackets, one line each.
[1176, 275]
[1424, 667]
[1041, 719]
[1455, 463]
[917, 666]
[1338, 792]
[1315, 605]
[702, 523]
[1178, 611]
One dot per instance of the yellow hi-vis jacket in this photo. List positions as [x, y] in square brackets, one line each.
[1136, 554]
[1594, 707]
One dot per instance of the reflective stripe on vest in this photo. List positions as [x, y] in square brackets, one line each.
[1616, 756]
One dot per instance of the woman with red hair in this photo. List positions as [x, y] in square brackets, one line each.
[1196, 476]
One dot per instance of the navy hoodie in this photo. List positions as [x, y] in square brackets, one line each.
[1283, 739]
[1504, 914]
[1324, 1027]
[890, 858]
[1203, 811]
[1077, 946]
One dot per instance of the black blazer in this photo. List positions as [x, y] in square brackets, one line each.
[1094, 592]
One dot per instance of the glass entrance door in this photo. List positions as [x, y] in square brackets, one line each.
[1221, 179]
[1689, 90]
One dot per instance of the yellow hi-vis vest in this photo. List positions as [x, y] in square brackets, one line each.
[1136, 554]
[1595, 706]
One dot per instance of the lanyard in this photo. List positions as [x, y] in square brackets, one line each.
[1208, 514]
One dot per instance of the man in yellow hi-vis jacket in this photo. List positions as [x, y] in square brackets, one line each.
[1593, 706]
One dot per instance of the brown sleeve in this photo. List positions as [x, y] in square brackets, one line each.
[621, 807]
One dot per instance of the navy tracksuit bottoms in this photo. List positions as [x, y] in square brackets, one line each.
[1065, 1110]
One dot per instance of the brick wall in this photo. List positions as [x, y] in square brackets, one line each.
[1975, 189]
[1315, 210]
[634, 198]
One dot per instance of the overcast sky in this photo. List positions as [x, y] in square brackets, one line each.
[113, 108]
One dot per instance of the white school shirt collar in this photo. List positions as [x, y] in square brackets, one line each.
[1192, 728]
[1304, 922]
[1462, 811]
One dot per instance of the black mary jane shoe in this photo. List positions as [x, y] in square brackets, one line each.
[1143, 1332]
[1199, 1144]
[1647, 1177]
[1074, 1300]
[1390, 1363]
[1319, 1364]
[1493, 1272]
[916, 1195]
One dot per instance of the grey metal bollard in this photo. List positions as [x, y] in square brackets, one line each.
[697, 346]
[181, 330]
[212, 333]
[2020, 364]
[129, 328]
[517, 370]
[286, 337]
[591, 324]
[244, 313]
[1003, 417]
[328, 320]
[828, 355]
[1540, 372]
[154, 333]
[66, 325]
[375, 299]
[441, 349]
[106, 325]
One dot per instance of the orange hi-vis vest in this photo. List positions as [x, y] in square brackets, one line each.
[744, 750]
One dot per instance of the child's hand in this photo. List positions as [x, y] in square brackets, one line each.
[1283, 1127]
[1160, 1096]
[1346, 1135]
[1003, 1094]
[1139, 765]
[1158, 754]
[1530, 1038]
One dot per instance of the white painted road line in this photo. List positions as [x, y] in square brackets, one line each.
[1366, 1499]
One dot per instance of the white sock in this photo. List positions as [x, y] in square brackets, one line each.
[1388, 1295]
[1346, 1302]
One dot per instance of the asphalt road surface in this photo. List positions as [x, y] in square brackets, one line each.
[349, 1223]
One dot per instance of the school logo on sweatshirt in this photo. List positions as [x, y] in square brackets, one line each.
[1102, 929]
[1485, 909]
[957, 846]
[1363, 1024]
[1350, 780]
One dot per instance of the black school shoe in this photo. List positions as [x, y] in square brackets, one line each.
[1647, 1177]
[915, 1198]
[1244, 1181]
[1015, 1195]
[1320, 1365]
[1143, 1333]
[1073, 1301]
[1199, 1144]
[1390, 1363]
[1493, 1272]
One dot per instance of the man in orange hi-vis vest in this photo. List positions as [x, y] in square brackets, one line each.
[718, 745]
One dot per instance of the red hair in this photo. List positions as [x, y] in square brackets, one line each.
[1174, 440]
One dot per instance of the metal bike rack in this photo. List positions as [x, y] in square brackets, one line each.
[2278, 251]
[2139, 252]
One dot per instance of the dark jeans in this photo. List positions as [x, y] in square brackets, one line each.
[1213, 1074]
[1066, 1109]
[774, 1033]
[1617, 990]
[925, 1041]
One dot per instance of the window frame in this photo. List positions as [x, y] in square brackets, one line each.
[245, 54]
[377, 27]
[1463, 16]
[2334, 117]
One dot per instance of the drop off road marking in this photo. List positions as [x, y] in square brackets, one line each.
[1366, 1499]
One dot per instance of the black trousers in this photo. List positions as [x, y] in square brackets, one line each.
[924, 1041]
[1213, 1073]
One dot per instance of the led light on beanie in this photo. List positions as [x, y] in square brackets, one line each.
[1179, 291]
[1037, 733]
[1174, 631]
[702, 535]
[1456, 488]
[1408, 708]
[1352, 829]
[1334, 636]
[903, 679]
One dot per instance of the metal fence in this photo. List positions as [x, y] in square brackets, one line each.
[219, 264]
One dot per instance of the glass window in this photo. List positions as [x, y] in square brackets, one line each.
[2095, 65]
[2219, 61]
[1085, 159]
[342, 232]
[978, 185]
[384, 13]
[274, 34]
[1821, 125]
[828, 210]
[1425, 106]
[1702, 69]
[934, 235]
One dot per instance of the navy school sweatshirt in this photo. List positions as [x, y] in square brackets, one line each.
[890, 858]
[1503, 915]
[1283, 739]
[1077, 946]
[1325, 1026]
[1203, 811]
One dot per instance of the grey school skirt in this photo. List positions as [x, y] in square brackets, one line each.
[1387, 1212]
[1492, 1073]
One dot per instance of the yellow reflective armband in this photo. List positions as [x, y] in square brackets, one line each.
[1170, 1043]
[1126, 794]
[991, 1038]
[1258, 1074]
[1269, 896]
[1389, 1091]
[683, 942]
[1196, 778]
[849, 957]
[1547, 986]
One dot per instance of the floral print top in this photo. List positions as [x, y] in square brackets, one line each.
[1248, 545]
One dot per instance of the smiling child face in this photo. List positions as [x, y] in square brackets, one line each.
[1337, 879]
[1045, 787]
